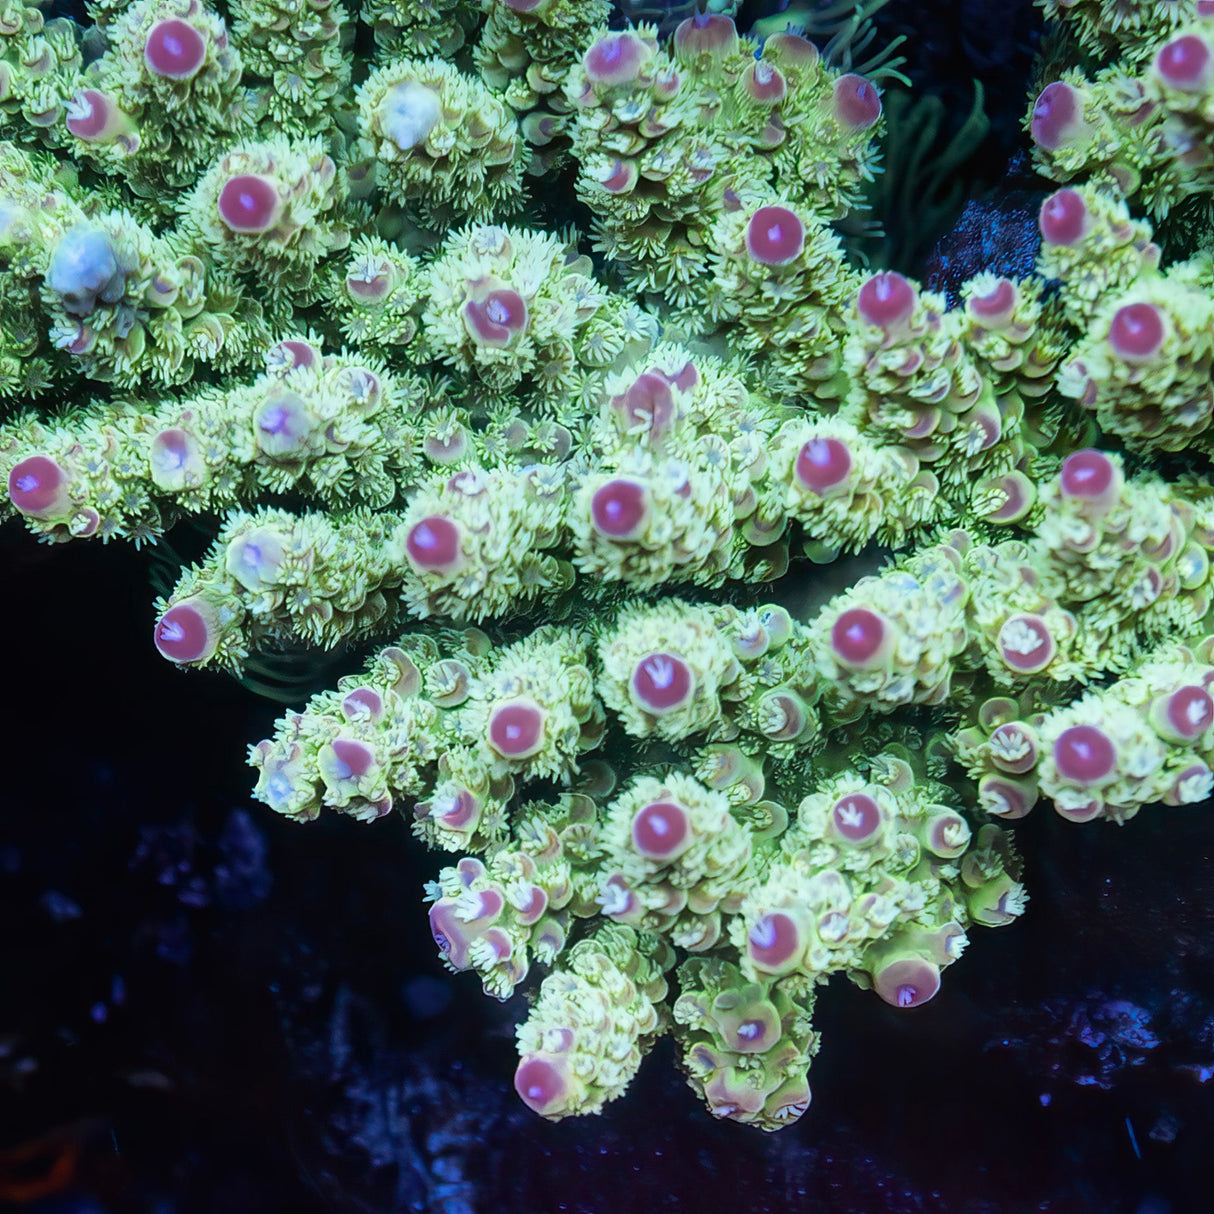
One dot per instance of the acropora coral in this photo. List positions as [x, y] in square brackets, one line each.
[523, 344]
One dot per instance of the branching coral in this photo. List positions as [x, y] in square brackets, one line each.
[569, 482]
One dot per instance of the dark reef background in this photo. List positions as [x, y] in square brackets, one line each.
[204, 1008]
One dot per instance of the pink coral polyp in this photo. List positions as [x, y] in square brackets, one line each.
[887, 300]
[1085, 755]
[282, 424]
[995, 308]
[616, 59]
[175, 460]
[775, 943]
[541, 1084]
[775, 236]
[857, 103]
[498, 320]
[187, 633]
[37, 487]
[764, 83]
[619, 509]
[93, 117]
[1187, 713]
[856, 818]
[648, 402]
[706, 34]
[1137, 332]
[1184, 64]
[434, 545]
[174, 50]
[1090, 477]
[351, 759]
[907, 981]
[1057, 116]
[516, 729]
[661, 830]
[249, 204]
[1025, 644]
[1063, 218]
[661, 683]
[860, 639]
[823, 465]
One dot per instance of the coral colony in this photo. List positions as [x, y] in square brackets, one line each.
[315, 275]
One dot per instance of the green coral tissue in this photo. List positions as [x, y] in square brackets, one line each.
[527, 349]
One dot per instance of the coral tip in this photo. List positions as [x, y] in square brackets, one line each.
[433, 544]
[857, 103]
[249, 203]
[775, 236]
[1184, 63]
[619, 508]
[1088, 476]
[661, 830]
[516, 729]
[174, 50]
[1063, 217]
[1137, 332]
[186, 633]
[37, 487]
[661, 682]
[1085, 754]
[823, 464]
[1057, 115]
[887, 300]
[859, 638]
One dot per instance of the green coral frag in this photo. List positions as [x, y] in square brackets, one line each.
[334, 304]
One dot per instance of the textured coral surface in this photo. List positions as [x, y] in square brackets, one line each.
[552, 407]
